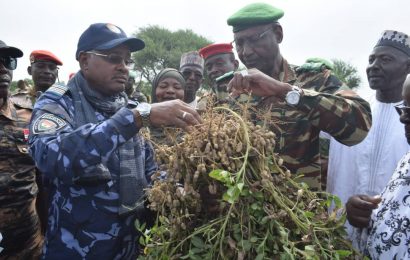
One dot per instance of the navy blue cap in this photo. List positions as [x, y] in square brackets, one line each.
[10, 51]
[105, 36]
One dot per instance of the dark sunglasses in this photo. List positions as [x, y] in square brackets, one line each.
[9, 62]
[115, 59]
[402, 109]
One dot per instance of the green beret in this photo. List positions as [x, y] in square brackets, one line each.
[253, 15]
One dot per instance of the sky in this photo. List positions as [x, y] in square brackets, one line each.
[342, 29]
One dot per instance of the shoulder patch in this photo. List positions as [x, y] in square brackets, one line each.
[48, 123]
[57, 90]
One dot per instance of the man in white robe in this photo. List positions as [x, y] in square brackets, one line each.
[367, 167]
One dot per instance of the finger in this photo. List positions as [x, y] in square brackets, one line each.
[361, 201]
[361, 212]
[359, 222]
[369, 201]
[180, 123]
[190, 119]
[192, 111]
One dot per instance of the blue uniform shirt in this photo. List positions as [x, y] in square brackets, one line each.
[83, 220]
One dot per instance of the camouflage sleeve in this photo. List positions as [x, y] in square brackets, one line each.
[343, 115]
[59, 150]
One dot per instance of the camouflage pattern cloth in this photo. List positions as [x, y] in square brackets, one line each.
[326, 106]
[19, 222]
[24, 99]
[83, 220]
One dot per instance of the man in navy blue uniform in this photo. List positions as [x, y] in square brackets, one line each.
[84, 138]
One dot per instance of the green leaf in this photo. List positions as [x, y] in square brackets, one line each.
[197, 242]
[221, 175]
[308, 214]
[343, 253]
[246, 245]
[254, 239]
[259, 257]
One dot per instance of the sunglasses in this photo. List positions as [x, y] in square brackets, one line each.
[402, 109]
[114, 58]
[9, 62]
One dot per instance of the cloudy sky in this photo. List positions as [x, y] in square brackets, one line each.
[343, 29]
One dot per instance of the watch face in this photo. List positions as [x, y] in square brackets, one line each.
[144, 108]
[292, 98]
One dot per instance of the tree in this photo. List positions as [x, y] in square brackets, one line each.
[347, 73]
[163, 49]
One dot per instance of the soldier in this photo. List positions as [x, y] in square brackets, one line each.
[134, 94]
[19, 222]
[85, 139]
[192, 67]
[44, 72]
[298, 104]
[219, 59]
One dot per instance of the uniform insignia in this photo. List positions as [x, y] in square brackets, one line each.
[48, 123]
[58, 90]
[113, 28]
[26, 133]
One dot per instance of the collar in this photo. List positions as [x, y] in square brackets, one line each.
[287, 73]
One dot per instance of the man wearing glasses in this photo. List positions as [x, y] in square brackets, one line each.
[371, 163]
[19, 221]
[85, 139]
[191, 67]
[300, 104]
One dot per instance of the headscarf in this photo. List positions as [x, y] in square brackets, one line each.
[163, 74]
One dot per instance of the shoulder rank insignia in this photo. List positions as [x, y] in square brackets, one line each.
[58, 90]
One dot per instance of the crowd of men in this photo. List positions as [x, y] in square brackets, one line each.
[74, 164]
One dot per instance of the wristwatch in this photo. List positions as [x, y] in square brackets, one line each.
[144, 110]
[293, 96]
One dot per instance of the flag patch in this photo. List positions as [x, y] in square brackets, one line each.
[48, 123]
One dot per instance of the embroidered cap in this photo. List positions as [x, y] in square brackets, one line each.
[396, 40]
[191, 58]
[105, 36]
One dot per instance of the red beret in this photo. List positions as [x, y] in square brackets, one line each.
[44, 56]
[215, 48]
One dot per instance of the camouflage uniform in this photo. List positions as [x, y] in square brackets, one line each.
[83, 219]
[325, 106]
[19, 222]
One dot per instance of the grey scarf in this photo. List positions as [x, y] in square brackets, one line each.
[132, 175]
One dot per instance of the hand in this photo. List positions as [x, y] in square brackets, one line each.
[257, 83]
[359, 209]
[174, 113]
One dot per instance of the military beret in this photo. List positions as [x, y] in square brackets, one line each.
[42, 55]
[215, 48]
[395, 39]
[253, 15]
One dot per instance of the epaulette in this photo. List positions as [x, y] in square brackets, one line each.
[57, 90]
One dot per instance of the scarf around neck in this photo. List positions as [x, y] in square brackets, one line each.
[132, 180]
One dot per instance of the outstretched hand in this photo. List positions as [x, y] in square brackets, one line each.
[174, 113]
[255, 82]
[359, 209]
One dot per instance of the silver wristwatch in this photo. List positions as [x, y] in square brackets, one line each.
[144, 109]
[293, 96]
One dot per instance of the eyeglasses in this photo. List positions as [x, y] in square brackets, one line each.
[187, 73]
[9, 62]
[402, 109]
[115, 59]
[253, 41]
